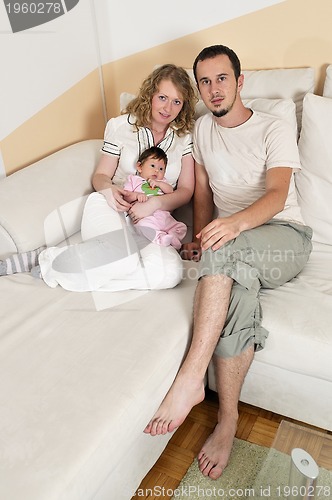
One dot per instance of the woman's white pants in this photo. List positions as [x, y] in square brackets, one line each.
[111, 257]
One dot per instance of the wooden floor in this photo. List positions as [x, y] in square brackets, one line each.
[255, 425]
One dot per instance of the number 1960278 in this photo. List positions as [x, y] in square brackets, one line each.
[34, 8]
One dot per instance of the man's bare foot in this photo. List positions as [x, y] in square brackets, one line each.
[180, 399]
[215, 453]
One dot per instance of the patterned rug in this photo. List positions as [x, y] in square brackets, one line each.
[253, 472]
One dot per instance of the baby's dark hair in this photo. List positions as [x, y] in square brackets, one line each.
[154, 152]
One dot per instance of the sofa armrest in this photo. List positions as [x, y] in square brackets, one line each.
[43, 202]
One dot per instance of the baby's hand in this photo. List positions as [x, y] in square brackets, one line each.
[141, 198]
[153, 183]
[162, 185]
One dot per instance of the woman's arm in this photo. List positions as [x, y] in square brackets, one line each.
[102, 182]
[180, 196]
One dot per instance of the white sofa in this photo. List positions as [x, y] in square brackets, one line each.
[82, 373]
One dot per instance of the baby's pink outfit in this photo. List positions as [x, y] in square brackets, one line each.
[160, 227]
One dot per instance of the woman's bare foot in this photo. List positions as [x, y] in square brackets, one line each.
[180, 399]
[215, 453]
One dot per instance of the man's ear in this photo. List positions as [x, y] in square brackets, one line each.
[240, 82]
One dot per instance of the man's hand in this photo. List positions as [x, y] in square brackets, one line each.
[218, 232]
[191, 251]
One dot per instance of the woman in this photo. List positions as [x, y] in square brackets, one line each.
[112, 256]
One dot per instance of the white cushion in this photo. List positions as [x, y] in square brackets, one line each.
[282, 108]
[60, 180]
[314, 181]
[293, 83]
[327, 92]
[125, 98]
[74, 397]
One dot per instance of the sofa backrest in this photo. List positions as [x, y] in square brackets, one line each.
[327, 90]
[45, 200]
[314, 181]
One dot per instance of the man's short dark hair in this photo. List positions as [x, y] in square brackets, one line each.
[217, 50]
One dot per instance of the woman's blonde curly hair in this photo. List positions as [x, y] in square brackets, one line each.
[141, 105]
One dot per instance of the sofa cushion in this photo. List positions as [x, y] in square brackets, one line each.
[282, 108]
[63, 179]
[314, 181]
[327, 91]
[293, 83]
[81, 374]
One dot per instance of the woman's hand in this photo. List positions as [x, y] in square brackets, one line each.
[102, 182]
[115, 198]
[140, 210]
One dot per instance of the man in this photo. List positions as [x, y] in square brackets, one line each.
[244, 167]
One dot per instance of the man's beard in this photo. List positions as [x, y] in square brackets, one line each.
[224, 111]
[220, 113]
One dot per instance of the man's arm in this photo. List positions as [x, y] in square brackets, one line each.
[224, 229]
[203, 208]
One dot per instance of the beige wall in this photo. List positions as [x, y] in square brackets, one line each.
[294, 33]
[75, 116]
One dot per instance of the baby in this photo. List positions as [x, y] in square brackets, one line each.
[160, 227]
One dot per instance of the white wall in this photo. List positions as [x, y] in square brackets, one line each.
[40, 64]
[132, 26]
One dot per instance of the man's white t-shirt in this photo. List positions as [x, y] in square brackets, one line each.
[236, 160]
